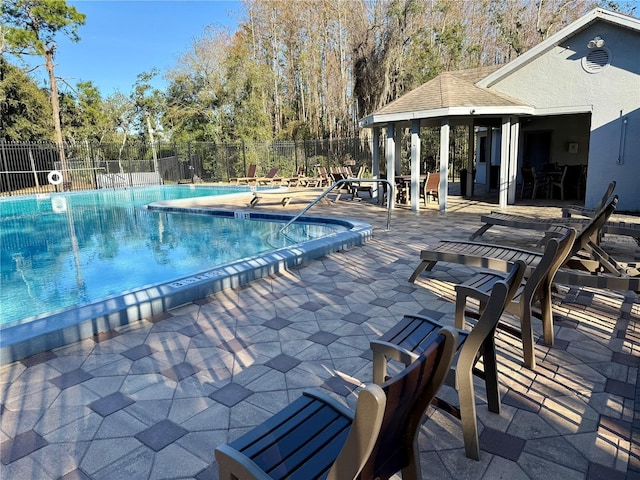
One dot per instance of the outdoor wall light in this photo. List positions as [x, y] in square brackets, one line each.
[597, 42]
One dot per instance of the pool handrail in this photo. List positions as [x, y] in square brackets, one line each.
[338, 183]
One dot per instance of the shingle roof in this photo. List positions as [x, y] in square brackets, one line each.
[450, 89]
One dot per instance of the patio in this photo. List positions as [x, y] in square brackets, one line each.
[152, 400]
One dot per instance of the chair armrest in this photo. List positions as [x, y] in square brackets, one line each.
[393, 351]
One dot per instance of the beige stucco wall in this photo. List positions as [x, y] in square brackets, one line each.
[558, 80]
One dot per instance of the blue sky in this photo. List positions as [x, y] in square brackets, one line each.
[121, 39]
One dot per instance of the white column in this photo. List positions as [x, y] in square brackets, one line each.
[415, 165]
[505, 149]
[444, 163]
[397, 138]
[390, 151]
[513, 160]
[375, 161]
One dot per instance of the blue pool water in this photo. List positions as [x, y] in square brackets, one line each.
[68, 250]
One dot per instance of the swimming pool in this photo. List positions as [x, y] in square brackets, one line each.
[86, 262]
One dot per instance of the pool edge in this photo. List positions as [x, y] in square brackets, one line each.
[27, 339]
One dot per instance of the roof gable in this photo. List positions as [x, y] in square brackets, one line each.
[561, 36]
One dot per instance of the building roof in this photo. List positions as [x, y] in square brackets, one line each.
[570, 30]
[450, 93]
[450, 89]
[468, 92]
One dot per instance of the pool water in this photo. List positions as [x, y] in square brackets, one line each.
[66, 250]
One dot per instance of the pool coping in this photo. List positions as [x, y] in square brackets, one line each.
[22, 340]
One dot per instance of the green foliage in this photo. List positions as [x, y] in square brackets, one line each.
[34, 24]
[25, 111]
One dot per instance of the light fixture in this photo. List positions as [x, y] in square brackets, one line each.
[597, 42]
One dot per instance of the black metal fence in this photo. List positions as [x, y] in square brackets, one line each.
[41, 168]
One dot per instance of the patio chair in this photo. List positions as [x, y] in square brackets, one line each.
[533, 182]
[559, 183]
[360, 187]
[250, 177]
[405, 341]
[431, 187]
[317, 437]
[323, 176]
[535, 289]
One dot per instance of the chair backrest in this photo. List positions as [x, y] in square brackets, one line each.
[487, 322]
[252, 170]
[272, 173]
[591, 231]
[363, 434]
[432, 182]
[605, 198]
[409, 393]
[528, 174]
[514, 279]
[555, 253]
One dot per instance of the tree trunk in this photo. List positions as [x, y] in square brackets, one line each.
[55, 107]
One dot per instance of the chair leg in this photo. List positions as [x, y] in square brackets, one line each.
[461, 305]
[526, 332]
[491, 374]
[547, 314]
[424, 264]
[466, 396]
[412, 471]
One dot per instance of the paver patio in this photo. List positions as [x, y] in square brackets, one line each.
[153, 399]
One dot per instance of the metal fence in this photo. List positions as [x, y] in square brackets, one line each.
[38, 168]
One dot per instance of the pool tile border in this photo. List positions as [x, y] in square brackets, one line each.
[22, 340]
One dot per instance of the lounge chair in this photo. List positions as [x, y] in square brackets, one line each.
[323, 176]
[589, 212]
[317, 437]
[270, 177]
[586, 264]
[584, 254]
[535, 288]
[404, 343]
[542, 224]
[250, 177]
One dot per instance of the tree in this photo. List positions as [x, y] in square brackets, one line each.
[32, 29]
[24, 107]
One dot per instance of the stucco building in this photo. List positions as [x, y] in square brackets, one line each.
[572, 100]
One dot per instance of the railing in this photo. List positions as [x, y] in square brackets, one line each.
[341, 182]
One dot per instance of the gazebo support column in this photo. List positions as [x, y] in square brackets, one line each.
[513, 160]
[375, 167]
[415, 165]
[505, 149]
[390, 152]
[444, 163]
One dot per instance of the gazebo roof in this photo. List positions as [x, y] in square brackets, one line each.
[444, 95]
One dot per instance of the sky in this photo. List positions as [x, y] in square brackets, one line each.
[122, 38]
